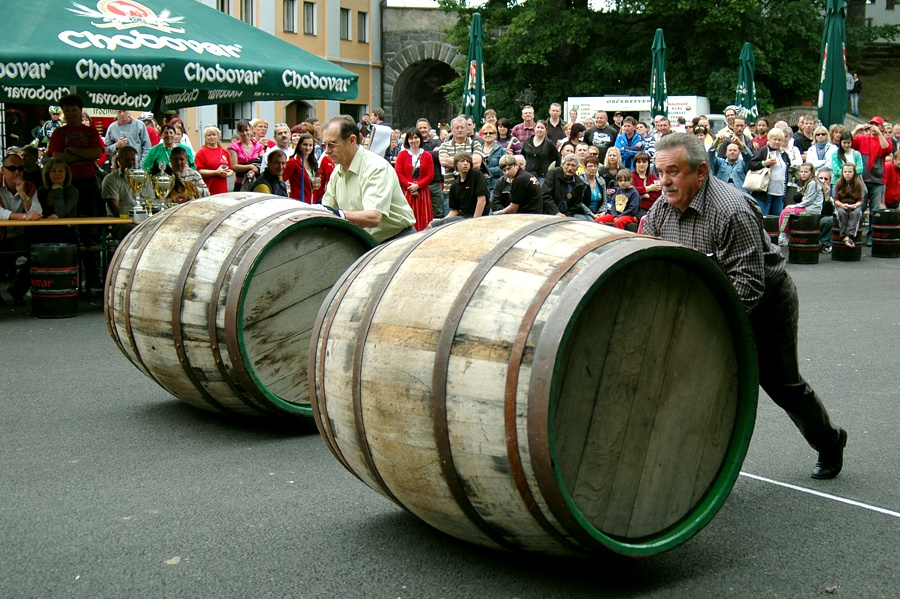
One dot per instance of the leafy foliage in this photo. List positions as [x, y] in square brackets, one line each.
[543, 51]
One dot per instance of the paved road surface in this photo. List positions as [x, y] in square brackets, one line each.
[112, 488]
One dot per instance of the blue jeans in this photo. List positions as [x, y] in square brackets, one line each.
[872, 202]
[854, 104]
[770, 205]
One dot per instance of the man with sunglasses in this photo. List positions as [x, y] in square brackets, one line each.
[18, 201]
[364, 188]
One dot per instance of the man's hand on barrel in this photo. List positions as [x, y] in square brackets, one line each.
[335, 211]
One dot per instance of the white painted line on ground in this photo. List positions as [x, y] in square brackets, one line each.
[874, 508]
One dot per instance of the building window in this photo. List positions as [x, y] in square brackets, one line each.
[228, 116]
[345, 24]
[890, 5]
[222, 6]
[247, 11]
[290, 16]
[309, 18]
[362, 26]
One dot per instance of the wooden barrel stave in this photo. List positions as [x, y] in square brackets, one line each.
[176, 299]
[507, 502]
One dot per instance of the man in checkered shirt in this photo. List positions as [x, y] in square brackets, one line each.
[724, 223]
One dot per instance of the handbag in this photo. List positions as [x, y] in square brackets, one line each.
[758, 180]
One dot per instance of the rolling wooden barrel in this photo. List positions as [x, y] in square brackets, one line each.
[215, 299]
[555, 386]
[841, 252]
[54, 280]
[886, 234]
[803, 239]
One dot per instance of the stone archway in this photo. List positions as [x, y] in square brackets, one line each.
[412, 83]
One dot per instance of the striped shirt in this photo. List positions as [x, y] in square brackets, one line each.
[726, 225]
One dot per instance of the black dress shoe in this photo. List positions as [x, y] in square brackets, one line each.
[831, 460]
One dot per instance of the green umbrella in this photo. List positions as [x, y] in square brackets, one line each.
[833, 85]
[155, 53]
[659, 94]
[745, 97]
[474, 97]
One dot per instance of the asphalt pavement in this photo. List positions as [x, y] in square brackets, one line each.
[110, 487]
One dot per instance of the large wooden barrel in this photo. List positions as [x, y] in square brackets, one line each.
[556, 386]
[215, 299]
[886, 233]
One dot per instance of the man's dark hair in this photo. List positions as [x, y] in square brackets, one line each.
[178, 150]
[348, 125]
[71, 100]
[274, 153]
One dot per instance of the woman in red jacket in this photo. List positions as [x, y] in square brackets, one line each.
[415, 170]
[305, 176]
[645, 182]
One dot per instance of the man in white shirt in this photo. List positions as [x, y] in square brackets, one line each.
[18, 201]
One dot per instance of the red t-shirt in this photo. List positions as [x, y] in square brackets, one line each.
[77, 136]
[210, 159]
[153, 135]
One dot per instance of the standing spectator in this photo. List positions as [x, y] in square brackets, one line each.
[158, 158]
[80, 146]
[819, 154]
[773, 156]
[42, 137]
[892, 181]
[733, 168]
[854, 95]
[505, 138]
[152, 130]
[602, 135]
[282, 134]
[525, 129]
[762, 131]
[645, 183]
[540, 153]
[458, 142]
[32, 173]
[363, 125]
[306, 176]
[869, 140]
[182, 136]
[246, 154]
[803, 138]
[213, 162]
[493, 152]
[415, 170]
[126, 131]
[629, 142]
[848, 201]
[260, 128]
[719, 221]
[432, 145]
[555, 124]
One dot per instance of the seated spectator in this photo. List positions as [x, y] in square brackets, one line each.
[270, 180]
[820, 151]
[505, 138]
[811, 199]
[18, 201]
[564, 193]
[626, 203]
[189, 185]
[117, 192]
[59, 199]
[517, 192]
[824, 177]
[645, 183]
[612, 164]
[493, 152]
[539, 151]
[468, 192]
[848, 200]
[596, 186]
[733, 168]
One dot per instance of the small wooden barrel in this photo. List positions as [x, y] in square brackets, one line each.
[215, 299]
[841, 252]
[886, 233]
[54, 280]
[555, 386]
[770, 223]
[803, 239]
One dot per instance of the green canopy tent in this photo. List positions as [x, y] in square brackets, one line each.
[745, 96]
[155, 54]
[833, 84]
[659, 95]
[474, 97]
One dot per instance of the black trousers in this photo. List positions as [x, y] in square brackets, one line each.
[774, 323]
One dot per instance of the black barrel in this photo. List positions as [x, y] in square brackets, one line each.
[54, 280]
[841, 252]
[771, 225]
[803, 239]
[885, 233]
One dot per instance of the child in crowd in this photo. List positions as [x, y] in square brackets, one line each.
[626, 202]
[811, 199]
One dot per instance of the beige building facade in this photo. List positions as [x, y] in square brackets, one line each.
[345, 32]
